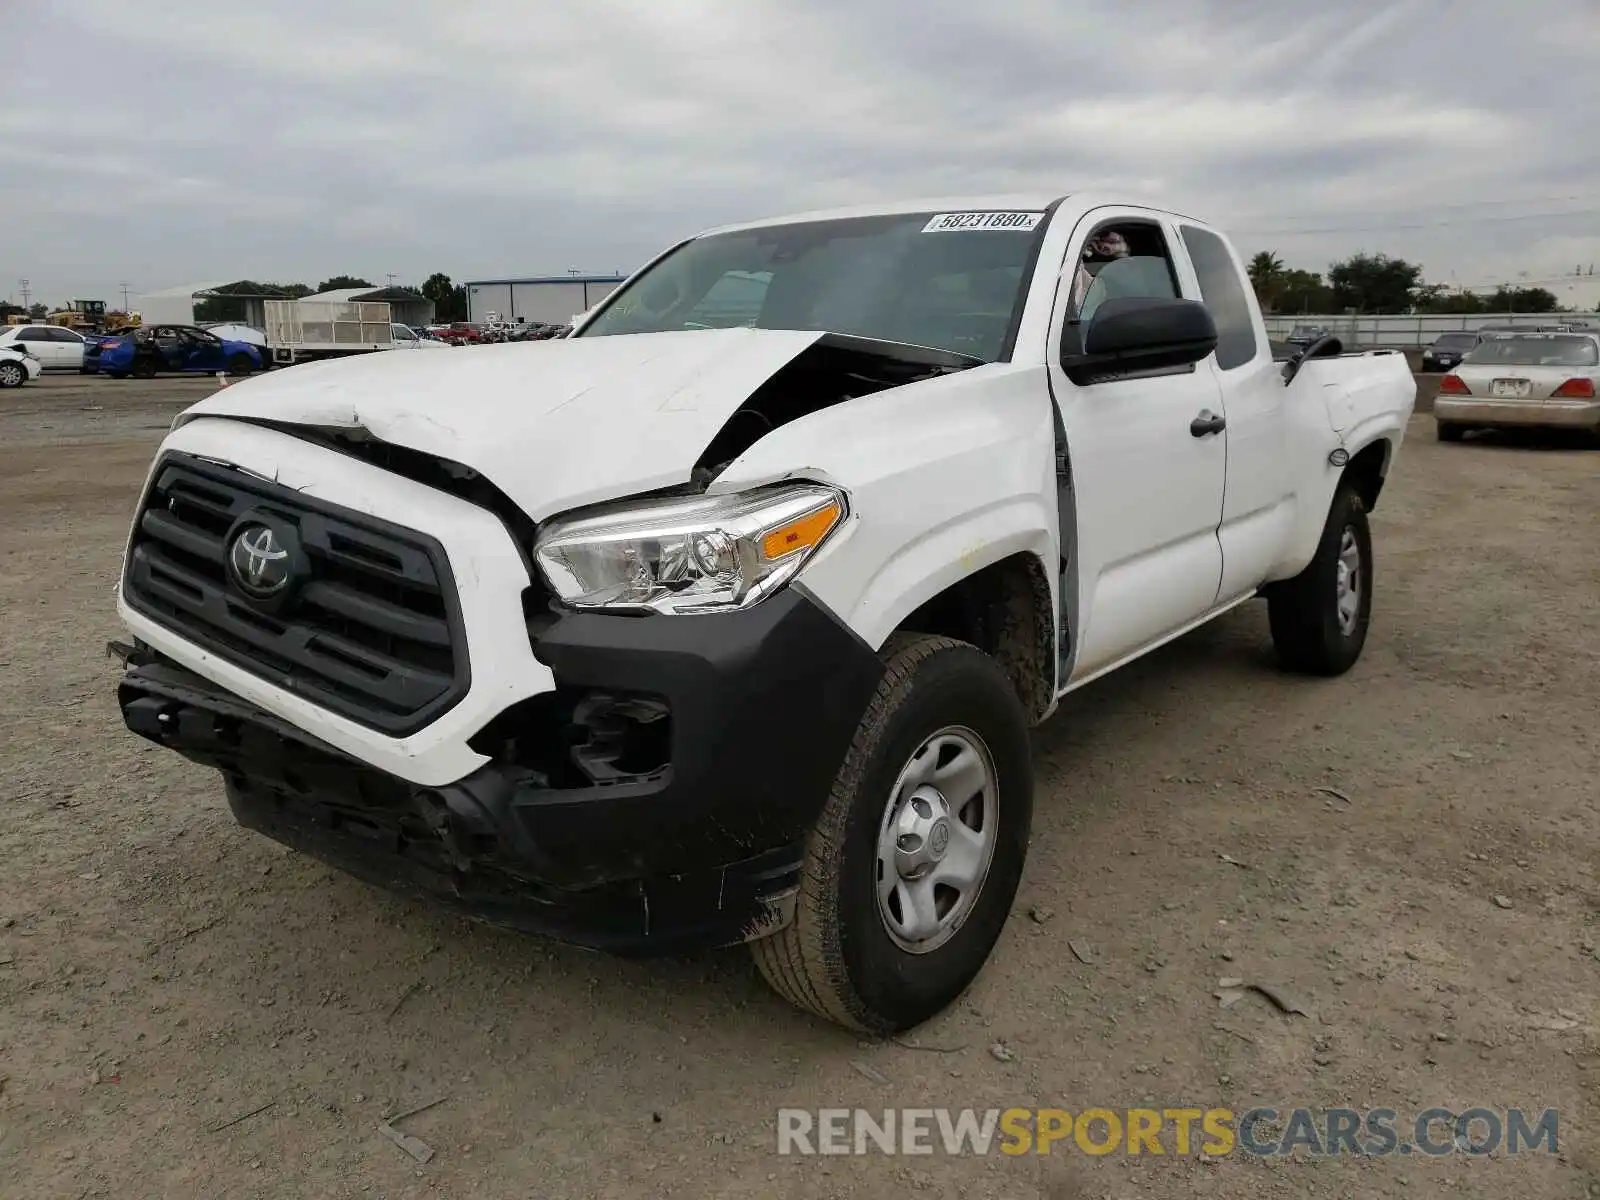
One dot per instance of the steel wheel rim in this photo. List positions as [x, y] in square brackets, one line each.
[937, 839]
[1349, 582]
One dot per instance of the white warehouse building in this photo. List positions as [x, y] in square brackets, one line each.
[553, 299]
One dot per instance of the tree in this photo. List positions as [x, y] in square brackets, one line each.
[449, 300]
[1523, 300]
[1266, 273]
[38, 312]
[342, 281]
[1303, 292]
[1374, 283]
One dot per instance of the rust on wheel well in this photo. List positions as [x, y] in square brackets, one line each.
[1005, 611]
[1367, 470]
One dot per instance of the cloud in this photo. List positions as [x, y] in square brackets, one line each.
[301, 139]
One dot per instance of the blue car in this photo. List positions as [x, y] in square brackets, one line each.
[145, 352]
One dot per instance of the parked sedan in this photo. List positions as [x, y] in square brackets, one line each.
[56, 347]
[17, 367]
[184, 348]
[407, 338]
[1539, 379]
[1448, 349]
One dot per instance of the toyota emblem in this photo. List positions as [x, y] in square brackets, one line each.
[260, 563]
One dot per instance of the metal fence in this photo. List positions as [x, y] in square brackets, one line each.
[1414, 332]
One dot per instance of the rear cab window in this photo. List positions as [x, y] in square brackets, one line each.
[1222, 291]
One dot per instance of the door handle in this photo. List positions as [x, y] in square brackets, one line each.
[1206, 423]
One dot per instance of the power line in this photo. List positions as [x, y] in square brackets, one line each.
[1428, 206]
[1290, 231]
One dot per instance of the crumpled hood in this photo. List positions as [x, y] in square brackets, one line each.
[554, 425]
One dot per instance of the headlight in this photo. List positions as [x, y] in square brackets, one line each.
[708, 554]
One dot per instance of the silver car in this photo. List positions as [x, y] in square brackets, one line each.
[1525, 379]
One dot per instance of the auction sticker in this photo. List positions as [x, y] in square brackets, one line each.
[960, 222]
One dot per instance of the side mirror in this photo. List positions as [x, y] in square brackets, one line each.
[1131, 334]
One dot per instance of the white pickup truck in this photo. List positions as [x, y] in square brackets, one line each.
[725, 618]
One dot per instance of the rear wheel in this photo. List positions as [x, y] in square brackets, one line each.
[1319, 618]
[1450, 432]
[12, 374]
[911, 870]
[144, 367]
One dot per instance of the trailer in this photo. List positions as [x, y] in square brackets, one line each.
[307, 330]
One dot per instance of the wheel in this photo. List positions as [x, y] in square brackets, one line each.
[241, 364]
[911, 870]
[1319, 618]
[1450, 432]
[144, 367]
[12, 374]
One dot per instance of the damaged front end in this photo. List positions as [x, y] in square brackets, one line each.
[655, 802]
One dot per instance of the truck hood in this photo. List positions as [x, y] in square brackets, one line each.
[554, 425]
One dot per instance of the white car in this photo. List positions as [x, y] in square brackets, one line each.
[725, 618]
[405, 338]
[56, 347]
[1541, 379]
[17, 367]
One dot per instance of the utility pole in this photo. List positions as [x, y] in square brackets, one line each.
[124, 287]
[390, 277]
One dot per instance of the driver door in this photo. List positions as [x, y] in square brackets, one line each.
[1142, 481]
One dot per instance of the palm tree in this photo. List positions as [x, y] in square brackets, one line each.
[1266, 275]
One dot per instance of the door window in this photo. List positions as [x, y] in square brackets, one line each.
[1222, 291]
[1120, 259]
[59, 334]
[34, 333]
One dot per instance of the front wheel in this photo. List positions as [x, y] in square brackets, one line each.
[1319, 618]
[241, 364]
[12, 374]
[911, 869]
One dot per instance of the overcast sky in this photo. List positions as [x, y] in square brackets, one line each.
[167, 142]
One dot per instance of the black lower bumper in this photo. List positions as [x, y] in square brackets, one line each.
[702, 848]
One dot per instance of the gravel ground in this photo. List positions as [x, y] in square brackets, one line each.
[1412, 849]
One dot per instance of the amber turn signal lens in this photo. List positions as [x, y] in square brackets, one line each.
[801, 533]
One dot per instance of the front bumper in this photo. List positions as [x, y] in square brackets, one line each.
[663, 845]
[1560, 414]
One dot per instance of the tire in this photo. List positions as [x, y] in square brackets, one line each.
[144, 367]
[13, 374]
[1308, 630]
[838, 958]
[241, 364]
[1450, 432]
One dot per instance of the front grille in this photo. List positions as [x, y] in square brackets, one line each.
[371, 631]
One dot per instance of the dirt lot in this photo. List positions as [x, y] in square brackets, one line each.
[163, 972]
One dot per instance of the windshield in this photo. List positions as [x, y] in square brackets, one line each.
[1550, 350]
[1456, 341]
[952, 281]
